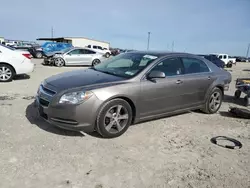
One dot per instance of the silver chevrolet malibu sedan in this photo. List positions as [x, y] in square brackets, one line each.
[129, 88]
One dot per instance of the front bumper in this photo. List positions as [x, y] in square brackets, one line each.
[48, 60]
[80, 117]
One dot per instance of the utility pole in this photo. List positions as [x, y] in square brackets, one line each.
[172, 46]
[148, 40]
[52, 32]
[248, 50]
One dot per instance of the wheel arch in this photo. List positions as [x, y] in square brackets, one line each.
[4, 63]
[128, 100]
[219, 86]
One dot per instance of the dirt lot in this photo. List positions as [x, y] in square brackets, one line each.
[170, 152]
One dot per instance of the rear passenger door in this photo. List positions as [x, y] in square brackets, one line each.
[198, 79]
[87, 56]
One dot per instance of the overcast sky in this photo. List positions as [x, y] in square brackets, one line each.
[196, 26]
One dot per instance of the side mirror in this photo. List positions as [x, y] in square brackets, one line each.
[156, 74]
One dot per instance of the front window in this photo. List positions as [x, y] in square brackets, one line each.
[170, 66]
[126, 65]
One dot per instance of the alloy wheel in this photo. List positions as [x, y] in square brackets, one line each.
[5, 73]
[59, 62]
[215, 101]
[116, 119]
[96, 62]
[39, 55]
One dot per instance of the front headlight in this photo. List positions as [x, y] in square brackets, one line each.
[75, 97]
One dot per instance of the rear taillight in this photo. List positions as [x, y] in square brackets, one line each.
[27, 56]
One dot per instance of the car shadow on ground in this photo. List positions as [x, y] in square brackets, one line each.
[33, 117]
[232, 100]
[21, 77]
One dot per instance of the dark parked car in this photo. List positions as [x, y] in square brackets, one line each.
[214, 59]
[129, 88]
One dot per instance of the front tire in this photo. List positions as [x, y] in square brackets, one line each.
[6, 73]
[114, 118]
[59, 62]
[213, 102]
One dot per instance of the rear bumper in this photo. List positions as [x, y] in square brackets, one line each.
[76, 118]
[26, 67]
[226, 87]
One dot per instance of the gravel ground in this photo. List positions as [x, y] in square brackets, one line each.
[169, 152]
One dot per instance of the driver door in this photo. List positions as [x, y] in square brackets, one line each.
[163, 95]
[73, 57]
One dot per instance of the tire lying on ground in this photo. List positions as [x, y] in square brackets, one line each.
[240, 112]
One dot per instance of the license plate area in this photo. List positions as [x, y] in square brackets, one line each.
[41, 112]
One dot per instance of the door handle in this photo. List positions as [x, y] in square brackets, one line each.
[209, 77]
[178, 82]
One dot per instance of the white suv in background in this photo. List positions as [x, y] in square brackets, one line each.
[13, 62]
[100, 50]
[227, 60]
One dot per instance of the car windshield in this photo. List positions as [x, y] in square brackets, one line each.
[126, 65]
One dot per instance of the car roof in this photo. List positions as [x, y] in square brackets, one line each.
[161, 53]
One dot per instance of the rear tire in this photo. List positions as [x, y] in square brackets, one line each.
[39, 55]
[107, 55]
[112, 122]
[237, 94]
[213, 102]
[95, 62]
[229, 65]
[6, 73]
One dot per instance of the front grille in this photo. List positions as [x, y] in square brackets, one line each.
[43, 102]
[48, 91]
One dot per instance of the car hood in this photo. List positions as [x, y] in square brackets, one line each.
[50, 54]
[81, 78]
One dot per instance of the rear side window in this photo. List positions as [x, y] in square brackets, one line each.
[77, 51]
[88, 51]
[193, 65]
[95, 47]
